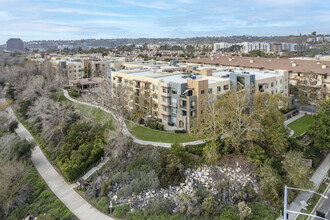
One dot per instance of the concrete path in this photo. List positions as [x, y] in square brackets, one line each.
[301, 114]
[125, 130]
[65, 192]
[96, 168]
[317, 178]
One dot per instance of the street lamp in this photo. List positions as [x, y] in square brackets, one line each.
[286, 211]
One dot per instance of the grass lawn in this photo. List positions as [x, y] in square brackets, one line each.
[138, 131]
[98, 115]
[301, 125]
[148, 134]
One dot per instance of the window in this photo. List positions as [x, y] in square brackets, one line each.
[272, 84]
[298, 74]
[165, 90]
[174, 91]
[315, 76]
[280, 81]
[210, 90]
[325, 86]
[202, 92]
[165, 117]
[225, 87]
[192, 113]
[165, 99]
[174, 110]
[165, 109]
[155, 96]
[266, 86]
[154, 87]
[219, 88]
[113, 78]
[325, 76]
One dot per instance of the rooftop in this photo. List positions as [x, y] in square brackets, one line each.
[267, 63]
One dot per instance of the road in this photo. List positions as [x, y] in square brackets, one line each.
[65, 192]
[316, 178]
[324, 205]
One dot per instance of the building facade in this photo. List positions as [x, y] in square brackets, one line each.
[15, 44]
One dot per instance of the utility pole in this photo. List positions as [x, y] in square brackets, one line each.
[286, 211]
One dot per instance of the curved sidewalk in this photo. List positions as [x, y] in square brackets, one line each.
[125, 130]
[64, 192]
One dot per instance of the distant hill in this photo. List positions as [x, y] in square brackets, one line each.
[112, 43]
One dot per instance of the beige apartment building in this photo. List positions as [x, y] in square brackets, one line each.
[177, 98]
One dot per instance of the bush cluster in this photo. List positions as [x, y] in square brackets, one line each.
[154, 125]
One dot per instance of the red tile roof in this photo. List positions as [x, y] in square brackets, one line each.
[268, 63]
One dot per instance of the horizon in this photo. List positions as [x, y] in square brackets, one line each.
[33, 20]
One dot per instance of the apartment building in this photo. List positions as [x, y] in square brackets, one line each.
[262, 46]
[177, 98]
[312, 73]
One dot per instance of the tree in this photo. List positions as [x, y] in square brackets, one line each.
[211, 152]
[245, 211]
[242, 117]
[270, 183]
[320, 130]
[297, 172]
[22, 150]
[307, 92]
[209, 206]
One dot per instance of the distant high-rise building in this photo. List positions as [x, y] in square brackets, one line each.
[14, 44]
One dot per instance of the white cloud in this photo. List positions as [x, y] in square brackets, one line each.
[84, 12]
[152, 4]
[5, 16]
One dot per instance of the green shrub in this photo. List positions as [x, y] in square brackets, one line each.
[160, 126]
[74, 93]
[23, 107]
[22, 150]
[102, 203]
[104, 188]
[154, 125]
[256, 154]
[135, 215]
[121, 211]
[13, 125]
[81, 149]
[151, 124]
[157, 207]
[228, 212]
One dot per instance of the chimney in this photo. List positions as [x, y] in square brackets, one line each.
[230, 59]
[212, 58]
[251, 61]
[324, 66]
[294, 64]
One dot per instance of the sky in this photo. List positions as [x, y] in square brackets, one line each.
[99, 19]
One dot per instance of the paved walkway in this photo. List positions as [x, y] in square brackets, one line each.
[125, 130]
[96, 168]
[317, 178]
[65, 192]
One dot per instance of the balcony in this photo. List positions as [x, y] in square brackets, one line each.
[183, 106]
